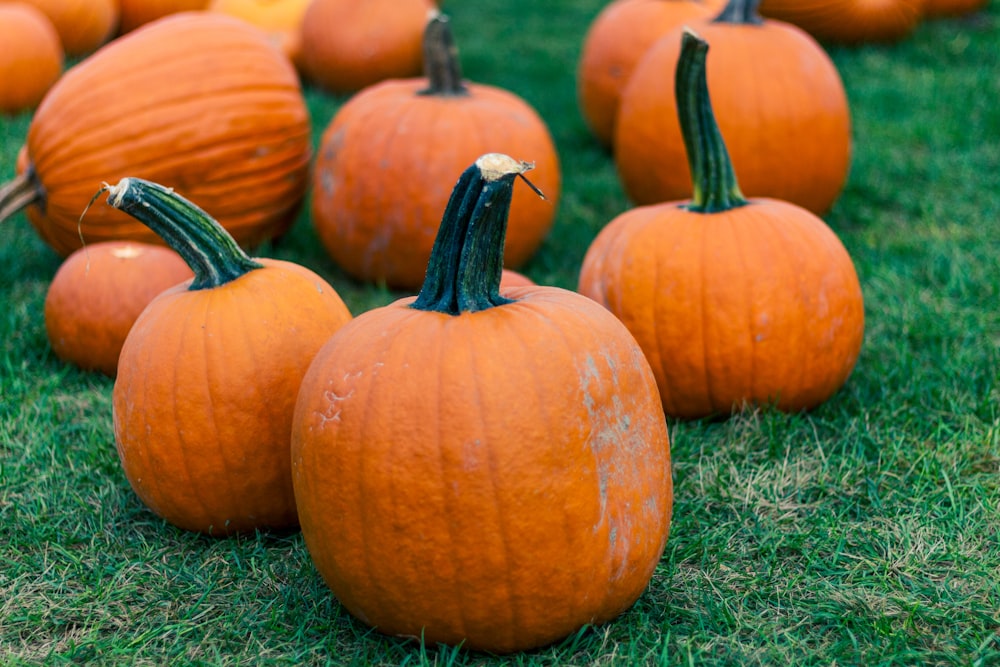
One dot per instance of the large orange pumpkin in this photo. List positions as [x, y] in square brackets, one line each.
[479, 465]
[779, 100]
[97, 294]
[348, 45]
[209, 373]
[135, 13]
[83, 25]
[198, 101]
[615, 42]
[380, 182]
[849, 21]
[733, 300]
[31, 59]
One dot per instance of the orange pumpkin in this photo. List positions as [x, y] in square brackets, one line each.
[779, 100]
[615, 42]
[348, 45]
[942, 8]
[209, 372]
[280, 19]
[733, 300]
[849, 21]
[97, 294]
[83, 25]
[479, 465]
[135, 13]
[31, 59]
[231, 129]
[375, 213]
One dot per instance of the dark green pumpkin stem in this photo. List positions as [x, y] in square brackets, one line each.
[23, 191]
[210, 251]
[715, 186]
[740, 11]
[463, 274]
[441, 66]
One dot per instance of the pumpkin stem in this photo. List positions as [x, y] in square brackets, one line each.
[441, 66]
[463, 274]
[205, 245]
[715, 186]
[21, 192]
[743, 12]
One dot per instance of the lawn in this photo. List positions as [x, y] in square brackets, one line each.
[864, 532]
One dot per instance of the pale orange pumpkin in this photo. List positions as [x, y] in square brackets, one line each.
[280, 19]
[97, 294]
[31, 58]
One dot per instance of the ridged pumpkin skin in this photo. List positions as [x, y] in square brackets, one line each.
[231, 131]
[135, 13]
[779, 101]
[615, 42]
[207, 381]
[83, 25]
[280, 19]
[496, 478]
[99, 292]
[734, 301]
[31, 59]
[348, 45]
[377, 216]
[849, 22]
[946, 8]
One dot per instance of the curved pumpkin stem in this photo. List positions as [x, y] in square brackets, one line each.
[21, 192]
[744, 12]
[463, 274]
[715, 186]
[441, 66]
[210, 251]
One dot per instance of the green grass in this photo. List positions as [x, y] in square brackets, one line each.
[866, 532]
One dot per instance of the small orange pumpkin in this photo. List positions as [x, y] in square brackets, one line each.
[83, 25]
[849, 21]
[733, 300]
[97, 294]
[209, 372]
[348, 45]
[480, 465]
[31, 59]
[135, 13]
[231, 130]
[779, 100]
[615, 42]
[377, 215]
[280, 19]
